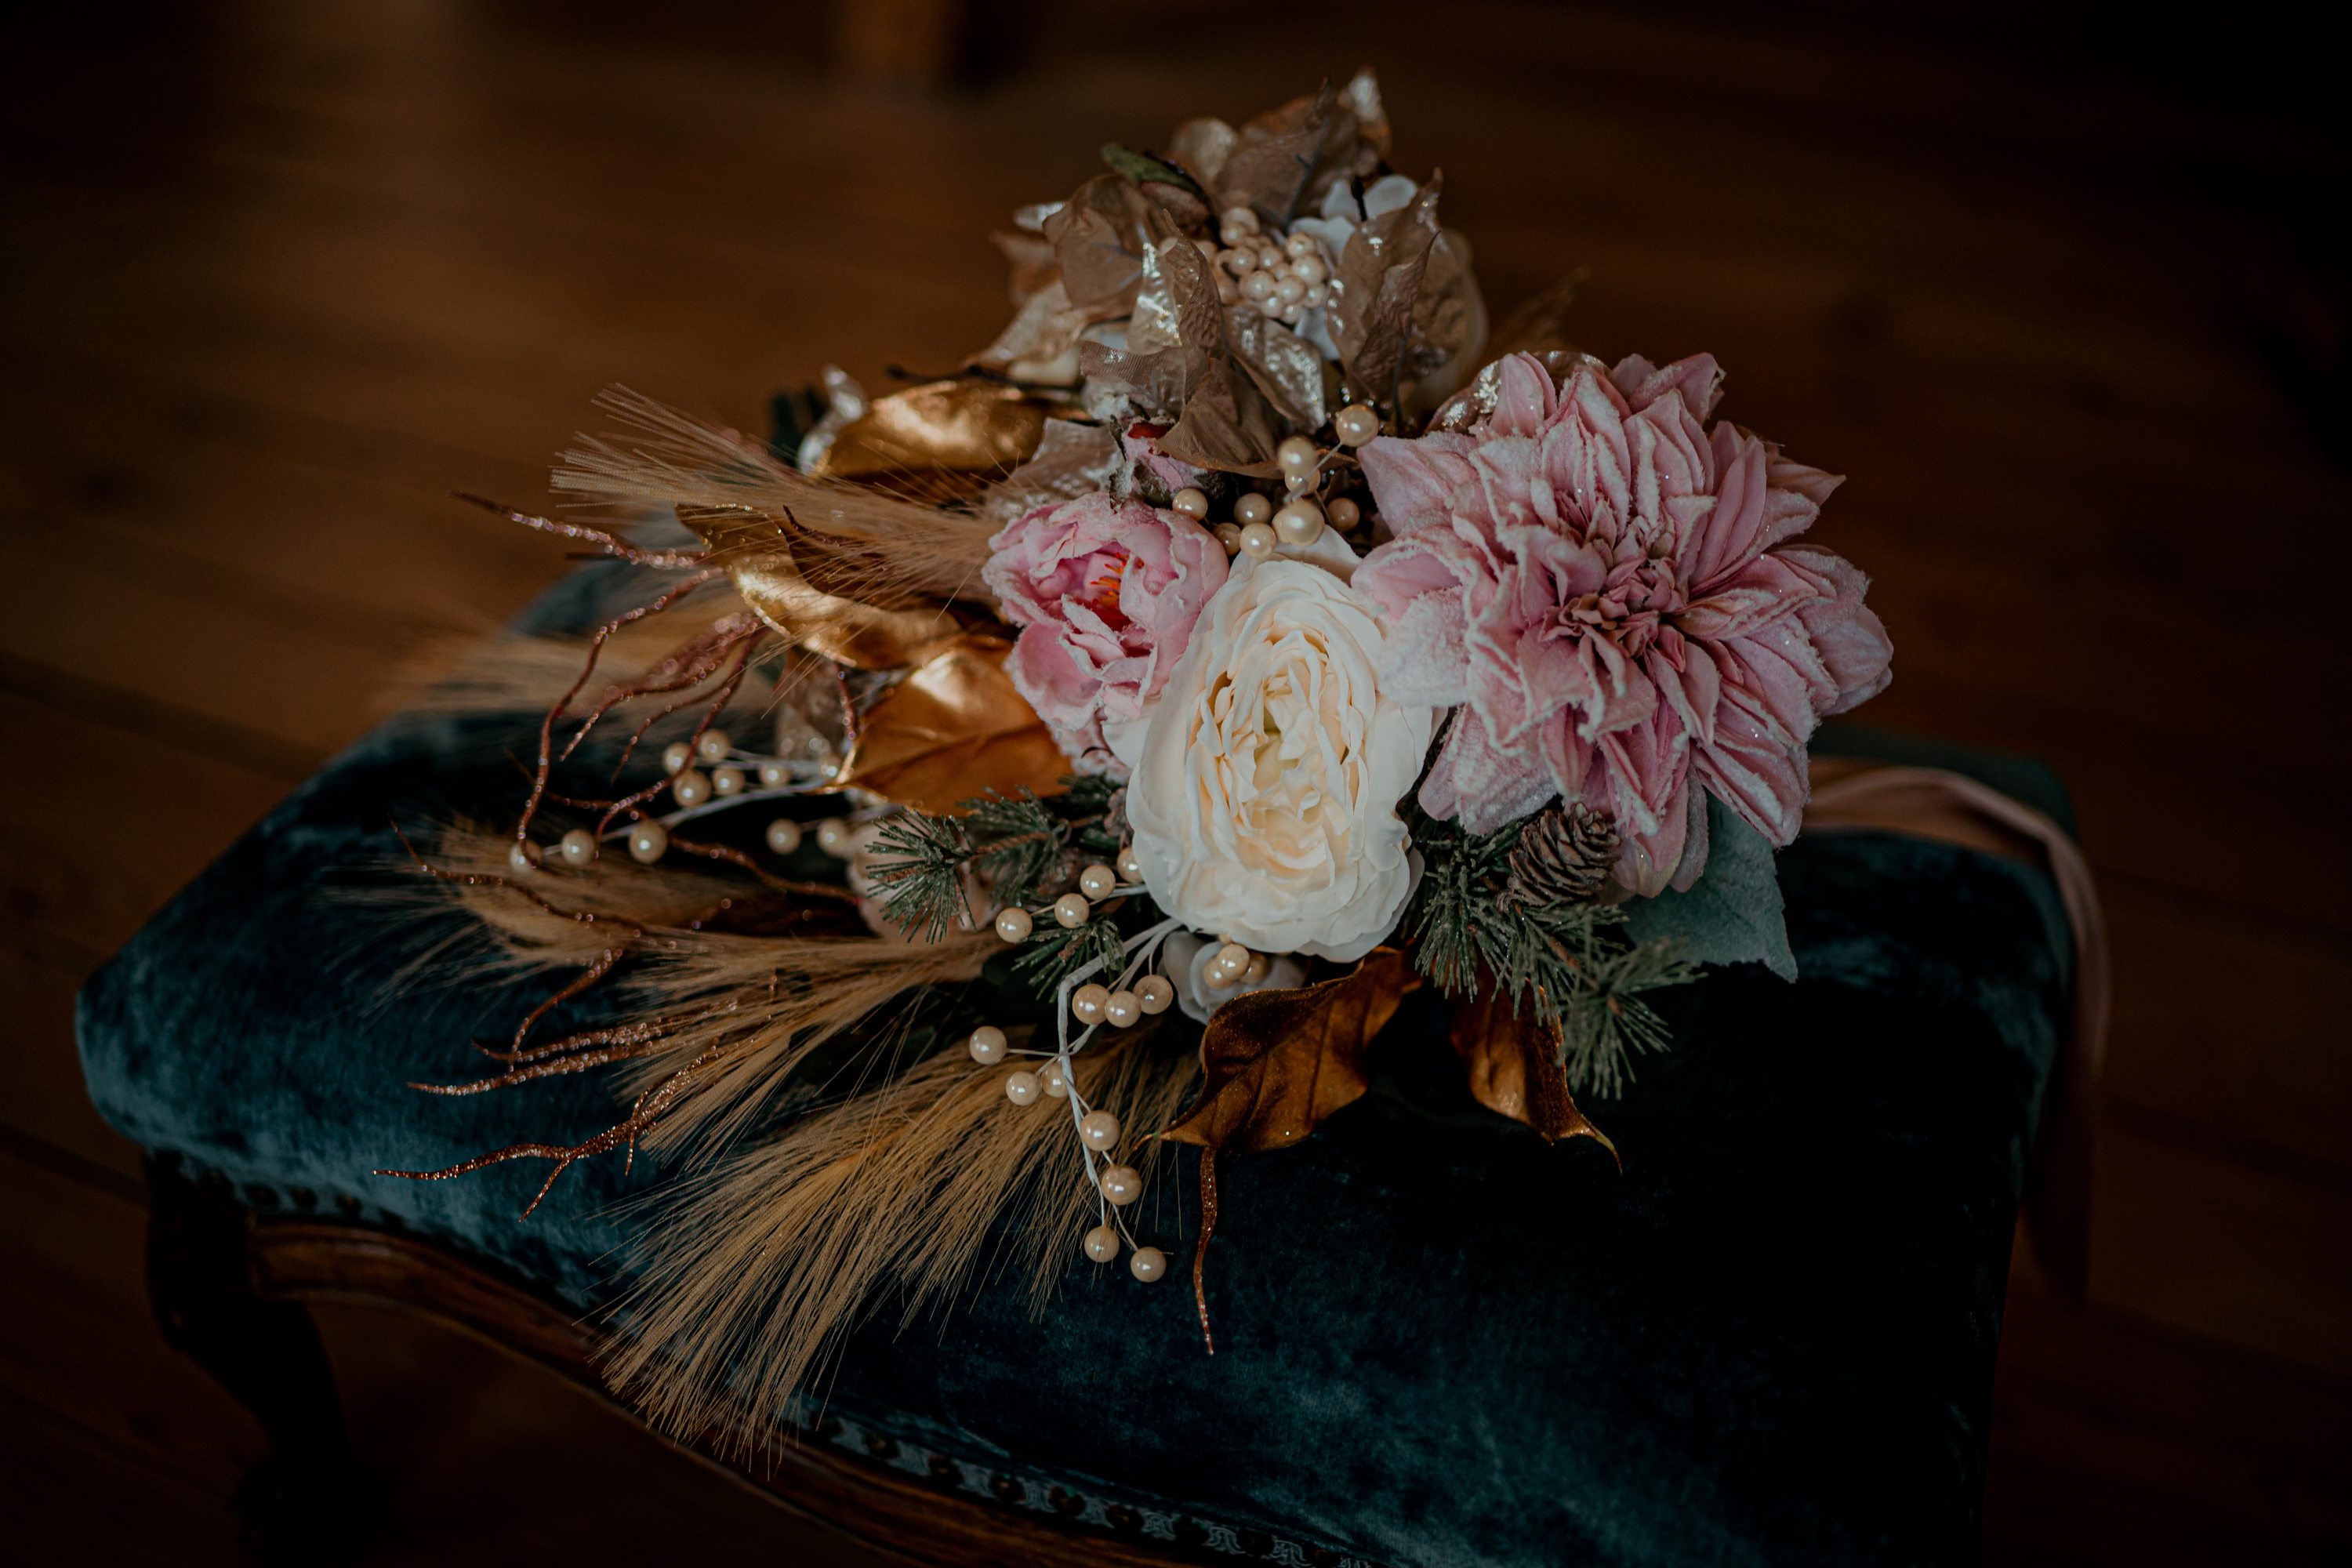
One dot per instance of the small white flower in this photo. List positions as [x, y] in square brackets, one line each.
[1264, 800]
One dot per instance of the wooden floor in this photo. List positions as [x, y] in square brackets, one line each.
[273, 281]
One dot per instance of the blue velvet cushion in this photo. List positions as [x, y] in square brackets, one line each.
[1441, 1341]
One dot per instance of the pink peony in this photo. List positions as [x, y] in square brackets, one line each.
[1604, 584]
[1105, 594]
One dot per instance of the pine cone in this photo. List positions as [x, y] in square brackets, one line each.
[1562, 857]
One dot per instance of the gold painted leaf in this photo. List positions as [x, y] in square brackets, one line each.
[954, 728]
[757, 550]
[939, 441]
[1513, 1066]
[1279, 1062]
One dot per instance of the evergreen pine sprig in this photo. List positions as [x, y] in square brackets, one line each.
[1568, 966]
[1023, 847]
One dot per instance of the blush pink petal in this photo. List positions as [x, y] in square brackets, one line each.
[1105, 595]
[1605, 584]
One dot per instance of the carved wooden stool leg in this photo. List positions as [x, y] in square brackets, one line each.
[303, 1502]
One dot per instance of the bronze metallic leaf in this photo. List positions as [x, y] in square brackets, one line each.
[757, 550]
[939, 441]
[1279, 1062]
[954, 728]
[1513, 1066]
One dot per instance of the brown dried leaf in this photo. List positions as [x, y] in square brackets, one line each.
[757, 549]
[1279, 1062]
[954, 728]
[1540, 325]
[1284, 366]
[1227, 425]
[1174, 338]
[1274, 156]
[1513, 1066]
[1032, 256]
[1098, 238]
[1375, 288]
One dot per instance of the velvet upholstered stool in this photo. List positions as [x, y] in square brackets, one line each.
[1769, 1337]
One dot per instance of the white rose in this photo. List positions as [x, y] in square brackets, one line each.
[1263, 802]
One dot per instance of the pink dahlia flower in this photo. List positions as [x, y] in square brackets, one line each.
[1604, 587]
[1105, 594]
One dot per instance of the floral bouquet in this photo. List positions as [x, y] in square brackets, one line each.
[1085, 752]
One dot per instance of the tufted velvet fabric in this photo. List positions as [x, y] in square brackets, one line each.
[1769, 1339]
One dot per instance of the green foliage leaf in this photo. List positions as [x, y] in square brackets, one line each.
[1733, 913]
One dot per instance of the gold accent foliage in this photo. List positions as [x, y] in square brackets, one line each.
[1279, 1062]
[661, 458]
[939, 441]
[1513, 1064]
[954, 728]
[757, 551]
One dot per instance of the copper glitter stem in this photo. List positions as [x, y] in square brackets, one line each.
[1201, 1247]
[606, 542]
[595, 650]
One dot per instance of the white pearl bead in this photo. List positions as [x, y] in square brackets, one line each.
[578, 848]
[1130, 865]
[1258, 542]
[1193, 503]
[1098, 1129]
[1297, 455]
[1289, 312]
[1056, 1082]
[1071, 909]
[1290, 291]
[1102, 1243]
[1318, 296]
[1300, 522]
[1259, 287]
[1207, 248]
[1239, 218]
[676, 756]
[648, 840]
[522, 857]
[1096, 881]
[1310, 270]
[783, 836]
[1229, 536]
[1356, 424]
[1022, 1087]
[1155, 993]
[1013, 924]
[1299, 245]
[1122, 1184]
[1296, 485]
[1253, 507]
[1148, 1264]
[1217, 979]
[1342, 513]
[1239, 261]
[1269, 256]
[725, 782]
[1257, 970]
[833, 836]
[986, 1045]
[1087, 1002]
[714, 746]
[1123, 1011]
[774, 776]
[690, 788]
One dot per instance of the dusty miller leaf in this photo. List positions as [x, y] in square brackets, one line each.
[1732, 914]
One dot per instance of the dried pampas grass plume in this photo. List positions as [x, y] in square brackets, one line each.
[755, 1275]
[663, 457]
